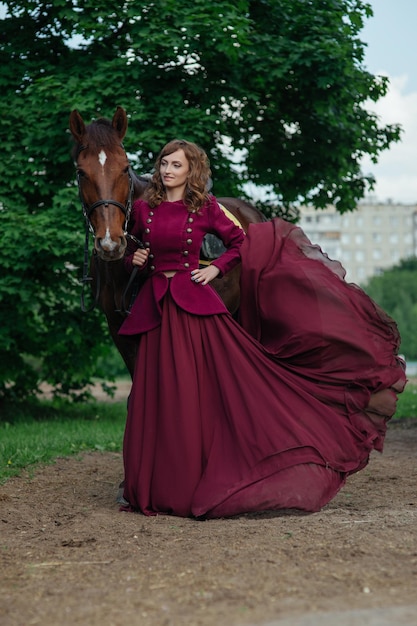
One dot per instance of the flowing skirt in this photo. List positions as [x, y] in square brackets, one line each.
[273, 413]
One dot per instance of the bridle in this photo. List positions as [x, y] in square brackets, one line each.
[87, 212]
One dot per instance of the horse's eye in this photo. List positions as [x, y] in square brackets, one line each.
[81, 173]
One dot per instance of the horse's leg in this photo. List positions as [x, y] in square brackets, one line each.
[112, 280]
[127, 346]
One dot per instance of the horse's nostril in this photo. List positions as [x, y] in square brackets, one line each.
[108, 243]
[108, 246]
[110, 250]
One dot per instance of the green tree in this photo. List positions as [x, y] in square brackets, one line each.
[275, 90]
[396, 292]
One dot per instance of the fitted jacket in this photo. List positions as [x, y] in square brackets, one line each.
[174, 237]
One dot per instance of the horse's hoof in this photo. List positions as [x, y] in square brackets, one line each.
[120, 499]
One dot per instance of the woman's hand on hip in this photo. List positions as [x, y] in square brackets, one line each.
[205, 275]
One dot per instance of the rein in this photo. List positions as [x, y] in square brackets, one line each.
[132, 282]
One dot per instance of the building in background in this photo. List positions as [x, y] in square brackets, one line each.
[367, 241]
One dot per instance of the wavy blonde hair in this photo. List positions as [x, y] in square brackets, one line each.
[197, 190]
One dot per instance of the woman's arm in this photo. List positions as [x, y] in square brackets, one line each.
[232, 237]
[230, 234]
[135, 256]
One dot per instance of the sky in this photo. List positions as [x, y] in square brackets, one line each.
[391, 50]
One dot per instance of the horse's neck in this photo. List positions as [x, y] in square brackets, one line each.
[112, 273]
[113, 278]
[140, 184]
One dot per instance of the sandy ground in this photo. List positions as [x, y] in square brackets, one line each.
[69, 557]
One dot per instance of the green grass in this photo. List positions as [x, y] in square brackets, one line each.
[407, 403]
[39, 432]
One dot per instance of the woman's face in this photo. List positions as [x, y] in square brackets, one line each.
[174, 169]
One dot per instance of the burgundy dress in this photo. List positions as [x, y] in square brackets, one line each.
[270, 413]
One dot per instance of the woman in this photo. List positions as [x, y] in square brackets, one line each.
[273, 413]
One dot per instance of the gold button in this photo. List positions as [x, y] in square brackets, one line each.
[191, 220]
[146, 244]
[189, 241]
[151, 213]
[151, 256]
[185, 253]
[152, 267]
[147, 231]
[148, 221]
[189, 230]
[186, 265]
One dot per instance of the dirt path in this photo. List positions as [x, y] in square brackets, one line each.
[69, 557]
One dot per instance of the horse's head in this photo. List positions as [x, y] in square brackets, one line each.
[104, 180]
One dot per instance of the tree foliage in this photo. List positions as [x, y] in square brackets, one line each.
[396, 292]
[274, 90]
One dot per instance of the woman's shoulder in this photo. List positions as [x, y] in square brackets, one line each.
[212, 201]
[212, 205]
[218, 211]
[140, 203]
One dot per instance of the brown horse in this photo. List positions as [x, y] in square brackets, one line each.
[108, 186]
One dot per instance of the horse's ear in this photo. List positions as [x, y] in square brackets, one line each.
[119, 122]
[77, 126]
